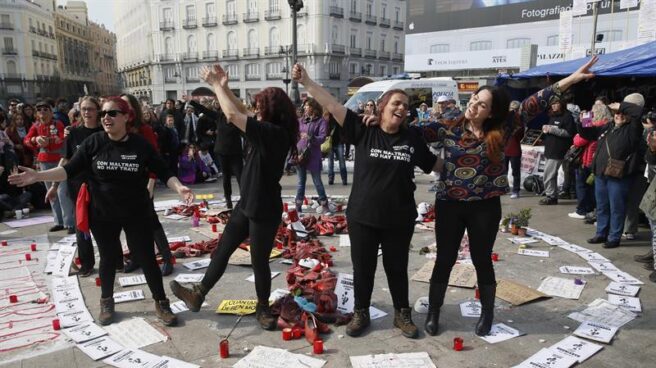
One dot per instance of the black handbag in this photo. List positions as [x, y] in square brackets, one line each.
[574, 155]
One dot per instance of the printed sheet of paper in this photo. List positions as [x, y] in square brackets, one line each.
[516, 293]
[51, 261]
[189, 277]
[308, 262]
[65, 256]
[576, 348]
[626, 302]
[470, 309]
[501, 332]
[622, 289]
[523, 240]
[596, 331]
[132, 280]
[132, 358]
[622, 277]
[30, 221]
[546, 358]
[574, 248]
[184, 238]
[84, 332]
[560, 287]
[375, 313]
[180, 306]
[251, 278]
[405, 360]
[197, 265]
[604, 312]
[74, 317]
[533, 252]
[100, 347]
[134, 333]
[238, 307]
[168, 362]
[344, 241]
[128, 296]
[576, 270]
[344, 292]
[277, 294]
[175, 216]
[604, 267]
[593, 257]
[266, 357]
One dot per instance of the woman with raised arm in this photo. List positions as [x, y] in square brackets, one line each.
[381, 208]
[471, 183]
[271, 134]
[118, 163]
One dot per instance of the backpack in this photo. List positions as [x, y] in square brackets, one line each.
[534, 183]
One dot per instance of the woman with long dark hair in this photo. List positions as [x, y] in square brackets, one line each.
[17, 130]
[271, 134]
[118, 163]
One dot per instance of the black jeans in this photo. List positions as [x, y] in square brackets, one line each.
[231, 165]
[481, 219]
[395, 243]
[139, 236]
[516, 165]
[261, 234]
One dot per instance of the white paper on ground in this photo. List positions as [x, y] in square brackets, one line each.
[168, 362]
[596, 331]
[175, 216]
[74, 318]
[523, 240]
[576, 270]
[100, 348]
[533, 252]
[30, 221]
[134, 333]
[622, 289]
[132, 280]
[375, 313]
[132, 358]
[197, 265]
[470, 309]
[405, 360]
[84, 332]
[501, 332]
[266, 357]
[128, 296]
[184, 238]
[251, 278]
[560, 287]
[604, 312]
[7, 232]
[593, 257]
[622, 277]
[308, 262]
[189, 277]
[344, 292]
[603, 267]
[574, 248]
[344, 241]
[546, 358]
[576, 348]
[64, 259]
[626, 302]
[180, 306]
[51, 259]
[277, 294]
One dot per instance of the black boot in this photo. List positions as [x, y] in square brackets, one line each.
[488, 293]
[435, 301]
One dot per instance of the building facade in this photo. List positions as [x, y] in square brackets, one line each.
[102, 58]
[337, 40]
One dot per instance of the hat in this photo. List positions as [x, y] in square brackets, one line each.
[636, 99]
[442, 99]
[452, 100]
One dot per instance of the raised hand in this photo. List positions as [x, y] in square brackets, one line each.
[299, 74]
[26, 177]
[584, 73]
[214, 75]
[186, 195]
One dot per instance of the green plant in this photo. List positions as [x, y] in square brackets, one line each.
[506, 221]
[523, 217]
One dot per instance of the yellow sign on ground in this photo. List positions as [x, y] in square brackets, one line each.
[238, 307]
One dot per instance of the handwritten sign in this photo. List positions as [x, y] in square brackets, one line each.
[238, 307]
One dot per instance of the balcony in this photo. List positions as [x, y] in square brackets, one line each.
[210, 55]
[334, 76]
[253, 77]
[9, 51]
[384, 55]
[210, 22]
[233, 77]
[275, 76]
[397, 56]
[189, 23]
[371, 19]
[371, 54]
[164, 58]
[230, 19]
[187, 56]
[398, 25]
[251, 17]
[337, 12]
[272, 14]
[384, 22]
[231, 54]
[252, 52]
[271, 50]
[46, 55]
[12, 76]
[356, 51]
[166, 25]
[170, 79]
[192, 78]
[338, 49]
[306, 48]
[355, 16]
[7, 25]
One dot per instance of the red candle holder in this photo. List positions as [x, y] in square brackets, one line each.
[13, 299]
[287, 334]
[285, 207]
[297, 332]
[495, 257]
[77, 261]
[333, 249]
[55, 324]
[224, 348]
[317, 347]
[28, 257]
[279, 245]
[305, 201]
[477, 294]
[214, 229]
[457, 343]
[33, 247]
[4, 243]
[293, 215]
[97, 281]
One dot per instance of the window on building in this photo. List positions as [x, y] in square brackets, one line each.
[611, 35]
[396, 45]
[190, 11]
[252, 6]
[480, 45]
[370, 37]
[31, 23]
[191, 43]
[167, 14]
[9, 43]
[515, 43]
[383, 10]
[353, 68]
[333, 68]
[300, 30]
[370, 8]
[274, 38]
[210, 9]
[354, 38]
[395, 70]
[252, 70]
[368, 69]
[397, 14]
[383, 70]
[233, 70]
[252, 39]
[168, 46]
[231, 8]
[382, 42]
[11, 67]
[211, 42]
[354, 5]
[274, 4]
[232, 40]
[334, 36]
[33, 45]
[552, 40]
[439, 48]
[169, 72]
[50, 29]
[274, 68]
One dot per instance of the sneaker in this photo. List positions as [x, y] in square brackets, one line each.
[359, 322]
[56, 228]
[514, 195]
[575, 215]
[611, 244]
[628, 236]
[597, 239]
[164, 312]
[403, 321]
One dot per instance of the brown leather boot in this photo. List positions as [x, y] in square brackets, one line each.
[359, 322]
[264, 317]
[193, 297]
[164, 313]
[106, 315]
[403, 321]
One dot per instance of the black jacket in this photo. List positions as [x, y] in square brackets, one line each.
[228, 136]
[557, 144]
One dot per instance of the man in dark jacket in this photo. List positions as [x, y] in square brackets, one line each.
[558, 134]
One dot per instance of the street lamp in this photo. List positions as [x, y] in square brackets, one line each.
[296, 6]
[285, 51]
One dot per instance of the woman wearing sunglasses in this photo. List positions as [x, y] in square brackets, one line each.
[118, 164]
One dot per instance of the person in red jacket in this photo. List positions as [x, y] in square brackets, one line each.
[46, 138]
[513, 153]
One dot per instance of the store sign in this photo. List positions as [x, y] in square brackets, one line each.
[497, 59]
[467, 86]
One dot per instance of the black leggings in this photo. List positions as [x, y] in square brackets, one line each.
[395, 243]
[261, 234]
[139, 236]
[230, 165]
[481, 219]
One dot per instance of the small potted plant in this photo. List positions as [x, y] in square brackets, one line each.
[522, 220]
[505, 223]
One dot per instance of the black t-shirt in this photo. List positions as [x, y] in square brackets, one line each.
[265, 163]
[412, 115]
[75, 138]
[555, 146]
[118, 174]
[383, 191]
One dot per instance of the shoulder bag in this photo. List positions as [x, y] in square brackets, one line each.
[614, 168]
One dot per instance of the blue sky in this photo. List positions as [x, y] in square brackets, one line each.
[100, 11]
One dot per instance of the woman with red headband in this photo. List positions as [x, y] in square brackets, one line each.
[118, 163]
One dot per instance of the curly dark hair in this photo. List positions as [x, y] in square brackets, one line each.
[275, 107]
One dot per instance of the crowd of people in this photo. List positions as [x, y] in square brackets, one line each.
[115, 148]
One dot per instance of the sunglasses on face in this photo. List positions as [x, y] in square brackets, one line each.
[111, 113]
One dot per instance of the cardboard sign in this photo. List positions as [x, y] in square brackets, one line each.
[517, 294]
[240, 257]
[462, 275]
[238, 307]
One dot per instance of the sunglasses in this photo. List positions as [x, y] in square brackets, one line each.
[42, 108]
[111, 113]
